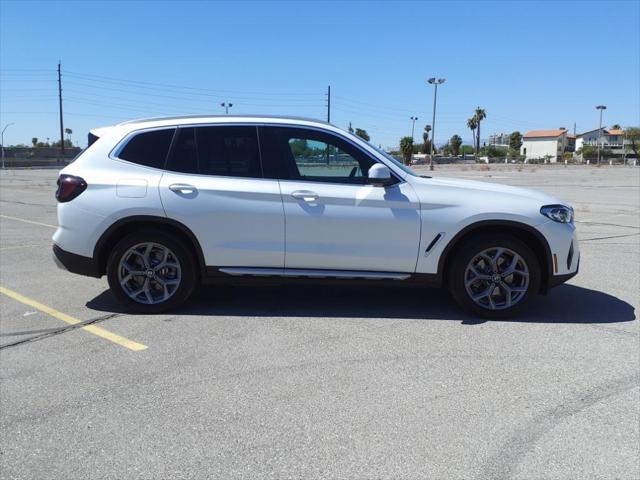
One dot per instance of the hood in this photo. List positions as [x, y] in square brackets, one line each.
[524, 193]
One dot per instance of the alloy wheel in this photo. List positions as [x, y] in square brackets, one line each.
[149, 273]
[496, 278]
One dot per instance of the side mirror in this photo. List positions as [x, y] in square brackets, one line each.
[379, 175]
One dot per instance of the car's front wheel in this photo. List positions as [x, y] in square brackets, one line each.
[494, 275]
[150, 271]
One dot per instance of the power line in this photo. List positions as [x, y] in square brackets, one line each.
[147, 93]
[99, 78]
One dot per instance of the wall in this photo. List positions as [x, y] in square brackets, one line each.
[541, 147]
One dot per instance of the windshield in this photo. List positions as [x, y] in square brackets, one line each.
[400, 165]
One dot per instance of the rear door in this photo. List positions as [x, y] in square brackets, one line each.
[214, 185]
[334, 219]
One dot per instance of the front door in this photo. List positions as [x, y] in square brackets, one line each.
[333, 219]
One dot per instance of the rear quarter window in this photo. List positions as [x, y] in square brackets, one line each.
[148, 148]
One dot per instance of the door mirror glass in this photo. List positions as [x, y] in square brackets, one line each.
[379, 175]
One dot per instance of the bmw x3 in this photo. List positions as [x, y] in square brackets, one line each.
[160, 206]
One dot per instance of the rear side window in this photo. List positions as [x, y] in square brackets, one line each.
[148, 148]
[217, 150]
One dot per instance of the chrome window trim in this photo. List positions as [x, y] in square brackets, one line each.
[373, 154]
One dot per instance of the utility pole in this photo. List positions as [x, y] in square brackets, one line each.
[413, 125]
[329, 104]
[226, 106]
[60, 106]
[601, 108]
[2, 141]
[434, 81]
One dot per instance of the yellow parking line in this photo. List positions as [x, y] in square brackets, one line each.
[28, 221]
[100, 332]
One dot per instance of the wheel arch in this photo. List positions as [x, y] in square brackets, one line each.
[128, 225]
[532, 237]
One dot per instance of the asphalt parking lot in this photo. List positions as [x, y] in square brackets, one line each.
[324, 382]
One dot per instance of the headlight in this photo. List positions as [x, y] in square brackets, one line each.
[558, 213]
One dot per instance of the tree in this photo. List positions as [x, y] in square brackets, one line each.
[616, 126]
[34, 141]
[67, 143]
[492, 151]
[515, 140]
[362, 134]
[588, 152]
[466, 150]
[455, 143]
[447, 150]
[633, 135]
[426, 145]
[479, 115]
[472, 124]
[406, 147]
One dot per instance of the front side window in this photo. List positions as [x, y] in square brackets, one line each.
[310, 155]
[315, 160]
[217, 150]
[148, 148]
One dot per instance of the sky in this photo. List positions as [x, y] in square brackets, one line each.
[530, 65]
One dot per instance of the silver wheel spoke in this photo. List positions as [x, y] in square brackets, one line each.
[483, 294]
[494, 259]
[512, 266]
[507, 295]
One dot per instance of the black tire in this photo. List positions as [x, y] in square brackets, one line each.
[188, 269]
[469, 251]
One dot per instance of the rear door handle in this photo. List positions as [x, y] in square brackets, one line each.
[183, 188]
[305, 195]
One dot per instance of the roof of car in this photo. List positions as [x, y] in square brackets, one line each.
[223, 119]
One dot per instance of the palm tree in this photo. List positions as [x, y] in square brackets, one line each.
[616, 127]
[479, 115]
[472, 124]
[425, 139]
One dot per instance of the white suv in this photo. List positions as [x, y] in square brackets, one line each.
[161, 205]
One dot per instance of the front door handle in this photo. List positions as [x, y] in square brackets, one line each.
[305, 195]
[183, 188]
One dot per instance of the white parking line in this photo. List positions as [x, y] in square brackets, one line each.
[28, 221]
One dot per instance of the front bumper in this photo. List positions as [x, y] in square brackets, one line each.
[564, 250]
[74, 263]
[555, 280]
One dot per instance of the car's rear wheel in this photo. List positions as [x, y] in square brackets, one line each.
[494, 276]
[150, 271]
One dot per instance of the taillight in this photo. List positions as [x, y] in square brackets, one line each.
[69, 187]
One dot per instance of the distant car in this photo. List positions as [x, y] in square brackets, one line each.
[161, 205]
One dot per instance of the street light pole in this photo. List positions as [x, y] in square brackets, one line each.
[413, 125]
[226, 107]
[435, 82]
[601, 108]
[2, 141]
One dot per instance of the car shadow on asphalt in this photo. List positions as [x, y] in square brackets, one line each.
[564, 304]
